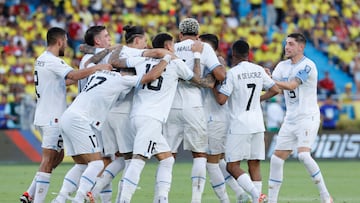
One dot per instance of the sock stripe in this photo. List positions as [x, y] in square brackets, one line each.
[218, 185]
[106, 191]
[42, 181]
[227, 177]
[198, 177]
[130, 181]
[71, 181]
[109, 172]
[276, 181]
[315, 174]
[88, 179]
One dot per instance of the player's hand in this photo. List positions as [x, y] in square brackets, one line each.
[104, 66]
[197, 46]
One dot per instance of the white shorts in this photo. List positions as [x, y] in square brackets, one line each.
[117, 134]
[51, 137]
[245, 147]
[301, 134]
[217, 136]
[188, 125]
[79, 136]
[148, 138]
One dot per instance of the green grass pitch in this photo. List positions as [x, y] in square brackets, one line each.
[342, 179]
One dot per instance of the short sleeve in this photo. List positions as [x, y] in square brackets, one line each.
[227, 85]
[183, 70]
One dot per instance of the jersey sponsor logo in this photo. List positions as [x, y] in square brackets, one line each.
[330, 146]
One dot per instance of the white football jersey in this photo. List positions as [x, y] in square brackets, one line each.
[49, 76]
[243, 86]
[188, 95]
[302, 101]
[155, 99]
[124, 104]
[82, 82]
[100, 93]
[213, 110]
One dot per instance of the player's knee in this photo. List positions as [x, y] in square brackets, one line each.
[304, 156]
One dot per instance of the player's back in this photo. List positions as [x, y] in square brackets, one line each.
[100, 93]
[185, 90]
[247, 81]
[155, 99]
[49, 77]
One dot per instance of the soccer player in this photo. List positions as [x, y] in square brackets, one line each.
[217, 125]
[245, 139]
[116, 134]
[297, 77]
[150, 109]
[83, 120]
[52, 75]
[187, 120]
[96, 36]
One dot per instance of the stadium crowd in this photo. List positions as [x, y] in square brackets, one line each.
[332, 26]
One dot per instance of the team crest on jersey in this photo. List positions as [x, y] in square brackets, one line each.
[307, 68]
[39, 63]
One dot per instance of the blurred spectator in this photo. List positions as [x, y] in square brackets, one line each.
[27, 112]
[329, 112]
[12, 112]
[326, 85]
[355, 67]
[346, 102]
[274, 114]
[3, 101]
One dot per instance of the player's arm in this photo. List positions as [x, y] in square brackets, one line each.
[75, 75]
[220, 98]
[156, 53]
[274, 90]
[208, 81]
[97, 56]
[156, 72]
[300, 78]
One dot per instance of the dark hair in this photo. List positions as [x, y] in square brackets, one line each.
[210, 38]
[132, 32]
[91, 33]
[160, 39]
[241, 49]
[300, 38]
[54, 34]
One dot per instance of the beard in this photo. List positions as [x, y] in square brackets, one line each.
[61, 52]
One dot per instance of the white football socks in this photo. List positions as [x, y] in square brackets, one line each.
[42, 187]
[217, 181]
[275, 178]
[198, 177]
[314, 171]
